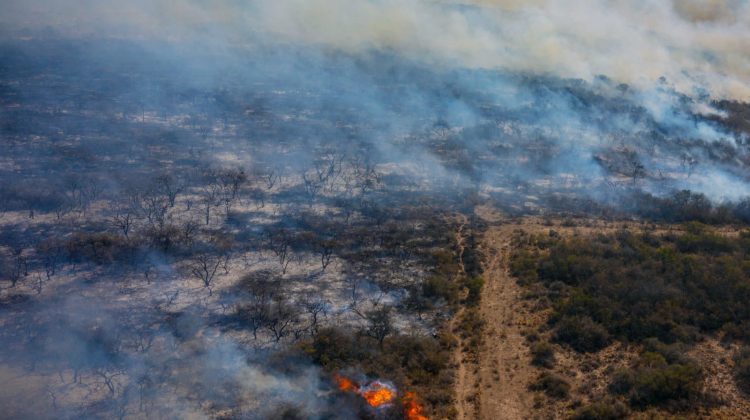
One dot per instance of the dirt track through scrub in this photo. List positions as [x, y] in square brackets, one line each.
[495, 385]
[492, 379]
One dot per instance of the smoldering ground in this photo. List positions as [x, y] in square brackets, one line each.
[141, 361]
[487, 127]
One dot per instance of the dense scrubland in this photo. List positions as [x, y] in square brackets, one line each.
[650, 293]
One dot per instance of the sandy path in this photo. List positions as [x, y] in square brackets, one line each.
[504, 371]
[496, 386]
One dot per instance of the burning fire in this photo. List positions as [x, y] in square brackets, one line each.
[380, 394]
[412, 408]
[377, 394]
[346, 384]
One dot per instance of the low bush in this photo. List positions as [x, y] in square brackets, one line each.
[581, 333]
[474, 286]
[552, 384]
[622, 382]
[609, 409]
[542, 354]
[659, 383]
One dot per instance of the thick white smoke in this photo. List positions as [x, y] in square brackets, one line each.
[697, 45]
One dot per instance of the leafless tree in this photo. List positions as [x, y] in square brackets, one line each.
[325, 251]
[50, 252]
[188, 230]
[314, 306]
[365, 173]
[380, 323]
[259, 196]
[280, 243]
[210, 195]
[170, 187]
[123, 220]
[110, 377]
[270, 175]
[155, 207]
[231, 180]
[312, 185]
[281, 317]
[204, 264]
[262, 288]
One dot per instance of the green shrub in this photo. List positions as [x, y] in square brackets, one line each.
[439, 287]
[542, 354]
[555, 386]
[581, 333]
[666, 384]
[602, 410]
[674, 287]
[622, 381]
[474, 285]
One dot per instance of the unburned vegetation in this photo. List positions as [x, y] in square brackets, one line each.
[639, 319]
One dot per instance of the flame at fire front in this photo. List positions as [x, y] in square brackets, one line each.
[378, 394]
[412, 408]
[346, 384]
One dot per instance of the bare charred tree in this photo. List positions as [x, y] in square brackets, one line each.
[38, 284]
[109, 377]
[269, 175]
[279, 241]
[328, 168]
[16, 263]
[204, 264]
[314, 307]
[281, 317]
[170, 187]
[92, 190]
[210, 194]
[365, 174]
[81, 193]
[74, 192]
[231, 181]
[51, 252]
[188, 231]
[380, 324]
[123, 220]
[688, 163]
[326, 248]
[637, 170]
[259, 196]
[354, 296]
[312, 185]
[255, 311]
[155, 207]
[253, 314]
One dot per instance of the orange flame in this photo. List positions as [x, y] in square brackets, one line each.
[378, 395]
[346, 384]
[412, 408]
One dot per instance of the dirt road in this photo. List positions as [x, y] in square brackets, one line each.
[495, 386]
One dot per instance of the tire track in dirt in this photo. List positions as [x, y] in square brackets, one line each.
[465, 380]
